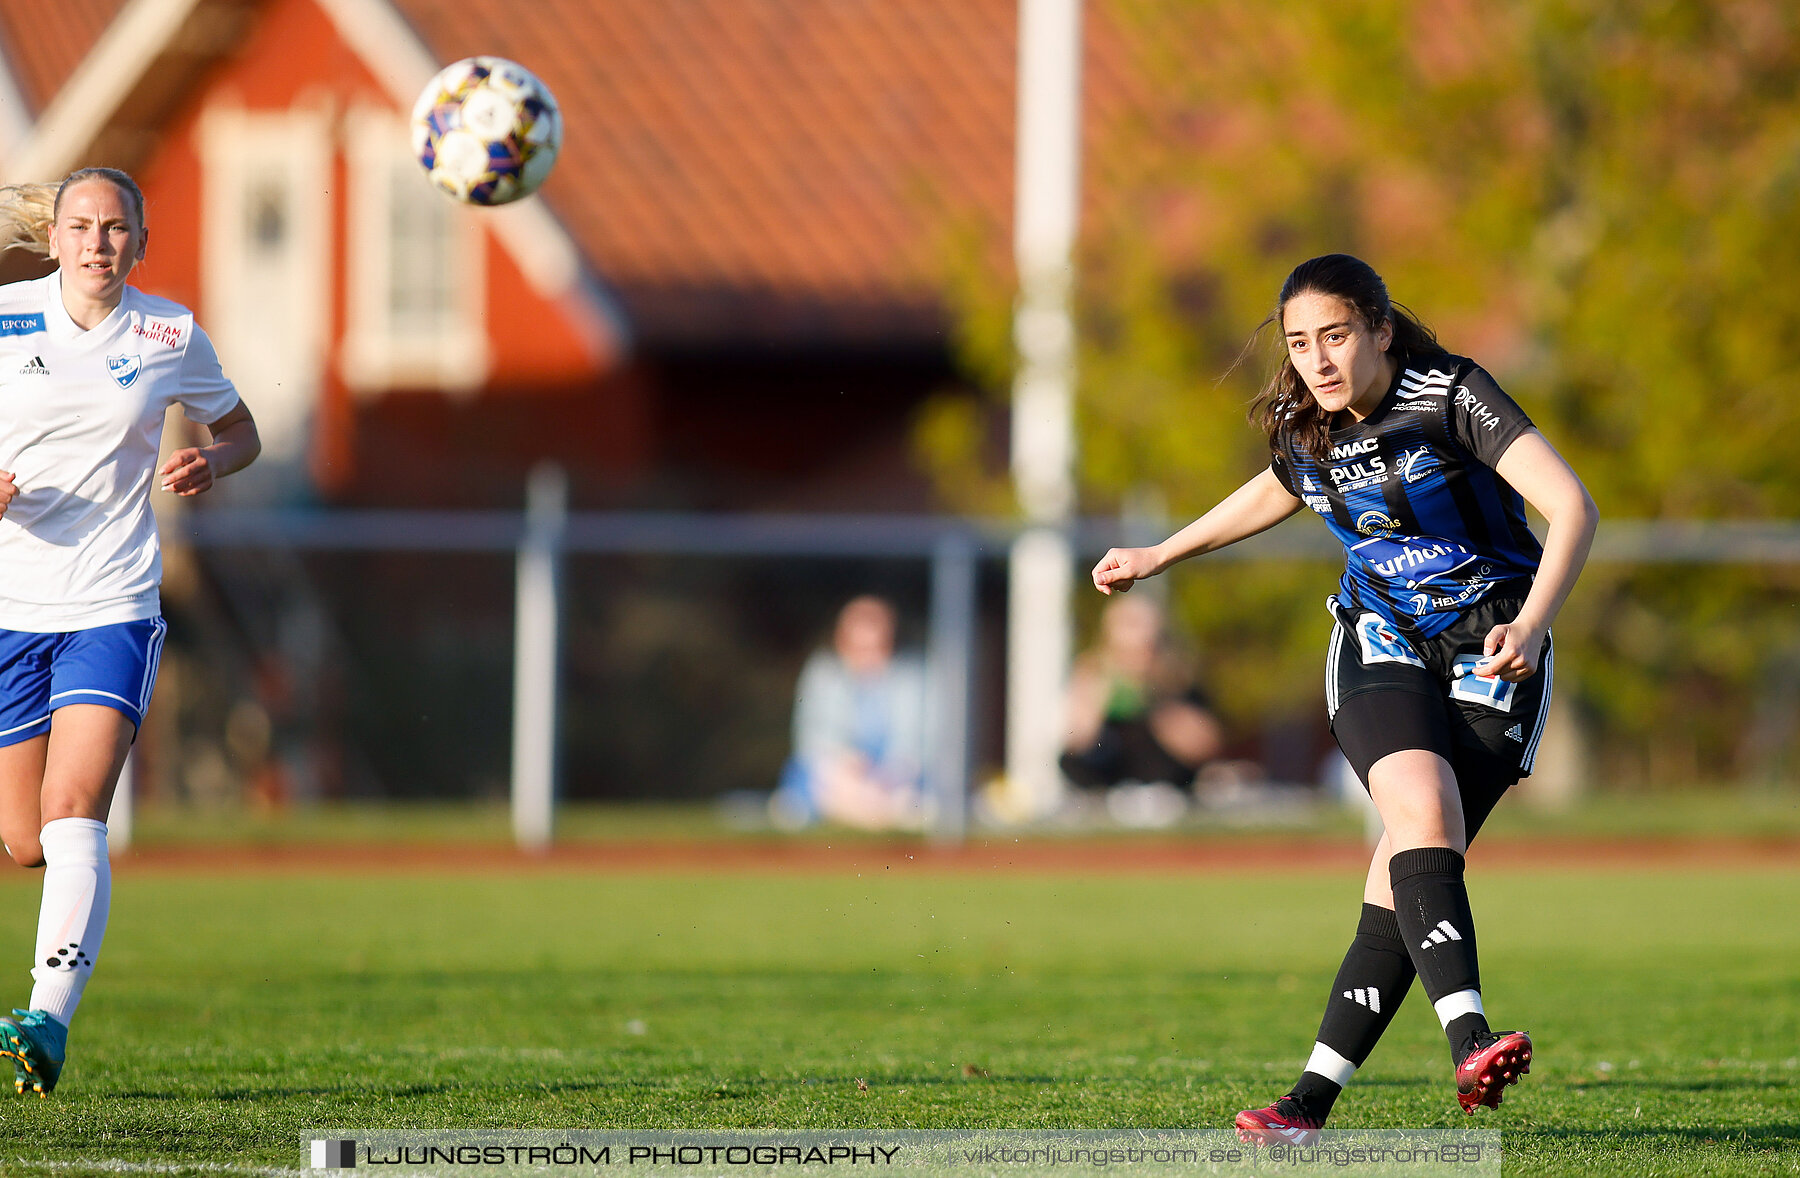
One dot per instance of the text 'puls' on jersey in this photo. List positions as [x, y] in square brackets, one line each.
[1428, 526]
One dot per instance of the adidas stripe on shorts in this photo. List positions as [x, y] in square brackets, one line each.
[110, 665]
[1386, 692]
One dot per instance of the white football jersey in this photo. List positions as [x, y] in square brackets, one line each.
[81, 419]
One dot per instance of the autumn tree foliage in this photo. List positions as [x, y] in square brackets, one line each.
[1599, 201]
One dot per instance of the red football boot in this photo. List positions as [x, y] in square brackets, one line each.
[1282, 1122]
[1495, 1063]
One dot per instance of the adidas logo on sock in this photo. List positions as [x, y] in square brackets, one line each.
[1370, 997]
[1445, 931]
[1516, 732]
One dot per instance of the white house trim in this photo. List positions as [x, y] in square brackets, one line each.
[268, 301]
[15, 116]
[532, 236]
[451, 352]
[97, 88]
[388, 48]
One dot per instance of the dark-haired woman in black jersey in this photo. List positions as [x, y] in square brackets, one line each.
[1439, 668]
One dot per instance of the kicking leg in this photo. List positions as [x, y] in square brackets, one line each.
[1385, 711]
[1419, 800]
[1370, 984]
[1421, 807]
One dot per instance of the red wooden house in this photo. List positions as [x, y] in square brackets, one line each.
[724, 296]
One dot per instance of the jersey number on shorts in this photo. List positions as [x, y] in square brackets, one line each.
[1382, 644]
[1466, 685]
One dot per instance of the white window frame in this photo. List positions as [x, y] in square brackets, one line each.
[239, 150]
[376, 353]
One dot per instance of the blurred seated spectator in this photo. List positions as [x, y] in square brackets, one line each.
[859, 729]
[1135, 715]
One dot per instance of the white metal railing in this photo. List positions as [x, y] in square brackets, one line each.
[545, 532]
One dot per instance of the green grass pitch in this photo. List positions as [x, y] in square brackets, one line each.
[236, 1015]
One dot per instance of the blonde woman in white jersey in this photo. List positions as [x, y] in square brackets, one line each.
[88, 365]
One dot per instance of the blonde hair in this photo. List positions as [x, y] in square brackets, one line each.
[28, 210]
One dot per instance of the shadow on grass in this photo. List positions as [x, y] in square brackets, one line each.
[279, 1093]
[1780, 1134]
[377, 1093]
[1652, 1086]
[734, 1088]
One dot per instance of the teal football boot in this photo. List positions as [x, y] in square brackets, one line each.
[37, 1044]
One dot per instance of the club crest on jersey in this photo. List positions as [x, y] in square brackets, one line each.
[1410, 468]
[1376, 523]
[125, 369]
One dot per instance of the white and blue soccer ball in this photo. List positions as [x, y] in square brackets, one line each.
[486, 130]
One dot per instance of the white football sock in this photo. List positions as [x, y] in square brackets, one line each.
[72, 920]
[1325, 1061]
[1453, 1006]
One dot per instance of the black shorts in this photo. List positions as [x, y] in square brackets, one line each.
[1385, 693]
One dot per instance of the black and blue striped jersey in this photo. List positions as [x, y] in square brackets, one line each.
[1428, 527]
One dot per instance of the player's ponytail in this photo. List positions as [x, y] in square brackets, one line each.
[26, 211]
[1285, 408]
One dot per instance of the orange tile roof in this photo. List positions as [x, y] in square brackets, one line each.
[775, 165]
[740, 169]
[44, 42]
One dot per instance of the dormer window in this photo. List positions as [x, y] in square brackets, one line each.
[416, 274]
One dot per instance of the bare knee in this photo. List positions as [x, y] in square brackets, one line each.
[21, 795]
[1416, 793]
[21, 839]
[25, 852]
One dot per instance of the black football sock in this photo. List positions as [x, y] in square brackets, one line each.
[1432, 907]
[1462, 1032]
[1376, 974]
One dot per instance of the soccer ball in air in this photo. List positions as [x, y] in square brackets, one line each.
[486, 130]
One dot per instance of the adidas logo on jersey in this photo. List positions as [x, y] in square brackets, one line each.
[35, 368]
[1445, 931]
[1516, 732]
[1369, 997]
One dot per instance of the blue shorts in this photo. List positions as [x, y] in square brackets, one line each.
[110, 665]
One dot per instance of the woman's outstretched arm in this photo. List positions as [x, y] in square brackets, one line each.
[1255, 507]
